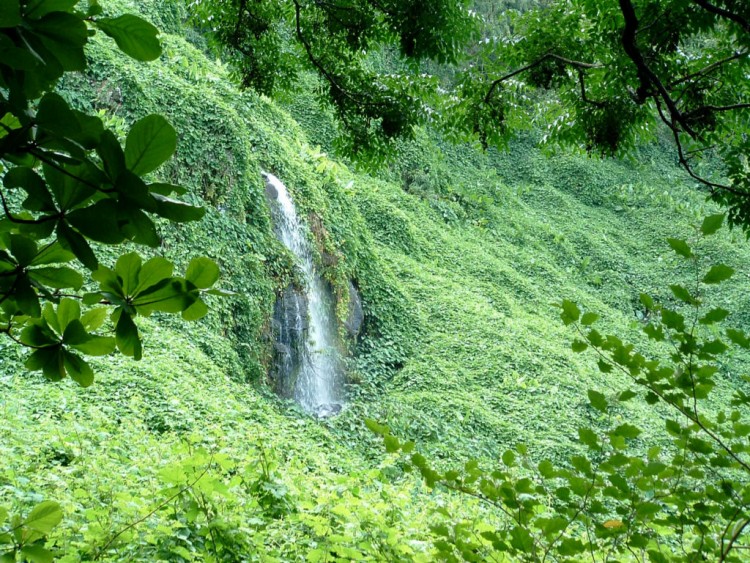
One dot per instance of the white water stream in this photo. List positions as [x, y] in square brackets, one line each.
[315, 387]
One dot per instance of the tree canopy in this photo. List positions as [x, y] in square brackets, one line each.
[604, 77]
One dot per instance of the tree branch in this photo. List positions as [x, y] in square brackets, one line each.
[570, 62]
[724, 13]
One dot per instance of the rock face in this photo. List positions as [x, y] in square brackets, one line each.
[356, 315]
[290, 325]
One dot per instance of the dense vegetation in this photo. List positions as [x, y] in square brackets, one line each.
[462, 259]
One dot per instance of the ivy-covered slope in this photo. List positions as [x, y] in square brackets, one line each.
[460, 258]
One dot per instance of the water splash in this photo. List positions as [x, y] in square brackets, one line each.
[306, 332]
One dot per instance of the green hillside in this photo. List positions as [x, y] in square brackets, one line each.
[461, 258]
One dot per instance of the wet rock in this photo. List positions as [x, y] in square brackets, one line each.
[289, 325]
[271, 191]
[328, 410]
[356, 314]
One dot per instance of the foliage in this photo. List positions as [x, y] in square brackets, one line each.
[458, 256]
[603, 76]
[683, 502]
[68, 182]
[599, 77]
[268, 40]
[24, 537]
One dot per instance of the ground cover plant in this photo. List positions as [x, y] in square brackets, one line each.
[462, 259]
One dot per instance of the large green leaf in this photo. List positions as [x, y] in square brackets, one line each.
[152, 272]
[78, 245]
[39, 198]
[718, 274]
[44, 517]
[171, 297]
[49, 361]
[36, 9]
[78, 370]
[10, 13]
[196, 311]
[94, 318]
[126, 337]
[128, 269]
[58, 278]
[52, 254]
[150, 143]
[36, 553]
[64, 35]
[177, 211]
[68, 310]
[680, 247]
[135, 36]
[23, 249]
[202, 272]
[98, 222]
[712, 223]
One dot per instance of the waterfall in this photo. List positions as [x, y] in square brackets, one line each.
[308, 364]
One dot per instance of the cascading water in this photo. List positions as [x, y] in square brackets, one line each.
[308, 360]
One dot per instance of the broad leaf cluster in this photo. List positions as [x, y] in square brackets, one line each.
[68, 184]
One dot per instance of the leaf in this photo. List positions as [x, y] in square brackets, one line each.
[126, 337]
[74, 242]
[36, 9]
[10, 13]
[626, 395]
[589, 318]
[627, 431]
[718, 274]
[680, 247]
[646, 300]
[64, 35]
[712, 223]
[128, 269]
[135, 36]
[44, 517]
[578, 345]
[376, 427]
[714, 316]
[23, 249]
[196, 311]
[681, 293]
[166, 189]
[37, 554]
[58, 278]
[52, 254]
[177, 211]
[170, 297]
[509, 458]
[589, 438]
[202, 272]
[392, 444]
[155, 270]
[98, 222]
[67, 311]
[96, 346]
[94, 318]
[597, 400]
[570, 312]
[150, 143]
[739, 338]
[673, 320]
[78, 370]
